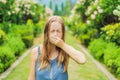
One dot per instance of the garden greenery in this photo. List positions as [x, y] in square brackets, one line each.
[20, 22]
[96, 24]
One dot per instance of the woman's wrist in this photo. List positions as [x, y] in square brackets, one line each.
[63, 45]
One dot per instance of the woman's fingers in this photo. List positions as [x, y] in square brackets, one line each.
[55, 40]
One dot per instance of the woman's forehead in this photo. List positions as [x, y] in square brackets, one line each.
[55, 25]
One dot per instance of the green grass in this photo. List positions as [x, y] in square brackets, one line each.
[88, 71]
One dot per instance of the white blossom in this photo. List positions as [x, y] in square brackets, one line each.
[13, 12]
[27, 13]
[88, 22]
[9, 13]
[92, 16]
[17, 3]
[3, 1]
[23, 12]
[27, 6]
[87, 12]
[79, 1]
[96, 2]
[100, 10]
[17, 10]
[95, 12]
[98, 7]
[89, 8]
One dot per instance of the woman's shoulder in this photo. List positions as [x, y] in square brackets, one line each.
[34, 52]
[35, 49]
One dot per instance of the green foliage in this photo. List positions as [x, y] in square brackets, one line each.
[97, 13]
[38, 27]
[88, 36]
[25, 31]
[37, 11]
[108, 5]
[111, 33]
[117, 11]
[20, 11]
[81, 8]
[65, 9]
[2, 36]
[15, 43]
[6, 57]
[112, 57]
[18, 25]
[56, 10]
[117, 62]
[5, 6]
[97, 48]
[86, 23]
[50, 5]
[111, 53]
[108, 53]
[94, 14]
[85, 33]
[5, 26]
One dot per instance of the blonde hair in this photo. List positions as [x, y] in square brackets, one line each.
[62, 56]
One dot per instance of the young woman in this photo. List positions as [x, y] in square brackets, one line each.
[50, 60]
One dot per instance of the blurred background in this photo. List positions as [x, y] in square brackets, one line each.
[94, 24]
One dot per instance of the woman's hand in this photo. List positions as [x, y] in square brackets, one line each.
[72, 52]
[56, 41]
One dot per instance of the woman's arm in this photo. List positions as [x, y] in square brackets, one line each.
[33, 57]
[72, 52]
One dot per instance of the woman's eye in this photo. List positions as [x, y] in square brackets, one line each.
[58, 31]
[52, 31]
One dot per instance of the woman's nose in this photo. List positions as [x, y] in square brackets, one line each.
[55, 33]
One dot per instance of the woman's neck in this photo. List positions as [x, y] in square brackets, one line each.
[54, 52]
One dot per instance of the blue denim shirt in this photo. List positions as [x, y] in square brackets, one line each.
[54, 73]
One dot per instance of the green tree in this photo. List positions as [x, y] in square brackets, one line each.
[56, 12]
[67, 8]
[50, 5]
[62, 6]
[62, 9]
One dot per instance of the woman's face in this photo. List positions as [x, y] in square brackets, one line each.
[56, 29]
